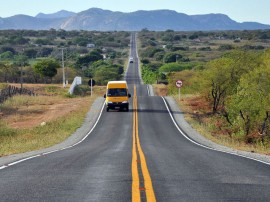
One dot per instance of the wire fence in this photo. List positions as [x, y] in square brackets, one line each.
[12, 90]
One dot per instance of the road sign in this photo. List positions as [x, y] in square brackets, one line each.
[179, 83]
[91, 82]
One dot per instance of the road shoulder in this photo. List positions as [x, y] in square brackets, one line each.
[77, 136]
[194, 135]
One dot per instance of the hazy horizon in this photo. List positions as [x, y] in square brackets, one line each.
[240, 10]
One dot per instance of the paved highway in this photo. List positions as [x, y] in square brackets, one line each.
[138, 155]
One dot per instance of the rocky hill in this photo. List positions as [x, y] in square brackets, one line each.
[105, 20]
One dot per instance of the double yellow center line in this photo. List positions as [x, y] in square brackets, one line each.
[138, 152]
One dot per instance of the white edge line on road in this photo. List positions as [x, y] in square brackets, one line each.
[53, 151]
[91, 128]
[201, 145]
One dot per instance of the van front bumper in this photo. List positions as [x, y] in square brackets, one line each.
[113, 105]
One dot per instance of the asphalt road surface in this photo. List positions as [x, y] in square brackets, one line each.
[138, 155]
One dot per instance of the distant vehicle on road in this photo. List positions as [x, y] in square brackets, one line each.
[117, 95]
[131, 60]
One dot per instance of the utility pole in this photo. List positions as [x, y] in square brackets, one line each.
[91, 87]
[21, 78]
[21, 68]
[63, 68]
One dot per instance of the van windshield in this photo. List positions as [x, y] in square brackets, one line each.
[114, 92]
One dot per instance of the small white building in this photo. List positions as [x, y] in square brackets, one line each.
[90, 45]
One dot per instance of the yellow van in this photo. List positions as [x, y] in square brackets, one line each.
[117, 95]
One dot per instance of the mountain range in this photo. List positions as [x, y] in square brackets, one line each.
[105, 20]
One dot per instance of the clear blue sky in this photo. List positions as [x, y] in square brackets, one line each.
[238, 10]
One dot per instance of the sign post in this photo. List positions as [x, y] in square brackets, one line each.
[91, 87]
[179, 84]
[91, 83]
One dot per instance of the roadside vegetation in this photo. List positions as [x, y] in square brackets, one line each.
[34, 60]
[33, 122]
[37, 56]
[225, 94]
[226, 78]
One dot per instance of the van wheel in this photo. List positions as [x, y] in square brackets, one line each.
[127, 109]
[107, 109]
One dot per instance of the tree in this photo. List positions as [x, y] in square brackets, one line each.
[21, 60]
[96, 55]
[148, 75]
[217, 81]
[174, 57]
[47, 67]
[104, 74]
[6, 71]
[145, 61]
[44, 52]
[243, 62]
[193, 36]
[225, 47]
[168, 37]
[7, 48]
[82, 41]
[120, 69]
[151, 51]
[222, 76]
[43, 42]
[173, 67]
[251, 103]
[8, 55]
[31, 53]
[84, 61]
[102, 71]
[249, 107]
[18, 40]
[177, 38]
[30, 76]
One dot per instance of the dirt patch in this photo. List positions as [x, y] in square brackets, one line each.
[160, 89]
[197, 104]
[34, 115]
[49, 107]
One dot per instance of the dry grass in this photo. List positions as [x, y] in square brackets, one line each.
[27, 112]
[31, 123]
[198, 114]
[45, 89]
[160, 89]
